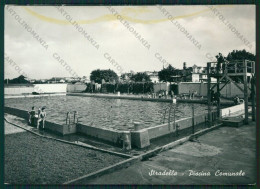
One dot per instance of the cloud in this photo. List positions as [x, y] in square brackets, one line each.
[115, 39]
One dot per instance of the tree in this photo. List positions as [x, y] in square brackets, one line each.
[240, 55]
[141, 77]
[166, 73]
[236, 55]
[19, 80]
[107, 75]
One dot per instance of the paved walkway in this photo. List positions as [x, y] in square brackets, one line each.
[226, 150]
[10, 129]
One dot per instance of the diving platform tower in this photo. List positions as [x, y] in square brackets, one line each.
[241, 71]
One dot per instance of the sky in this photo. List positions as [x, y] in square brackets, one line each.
[163, 42]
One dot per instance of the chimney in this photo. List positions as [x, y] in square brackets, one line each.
[184, 65]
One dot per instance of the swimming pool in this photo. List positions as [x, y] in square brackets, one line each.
[117, 114]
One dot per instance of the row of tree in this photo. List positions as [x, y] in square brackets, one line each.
[19, 80]
[165, 75]
[133, 88]
[109, 76]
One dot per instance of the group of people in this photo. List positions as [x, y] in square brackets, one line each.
[164, 93]
[192, 94]
[40, 116]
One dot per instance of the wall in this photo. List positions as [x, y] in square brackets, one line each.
[18, 89]
[54, 127]
[186, 87]
[230, 90]
[33, 96]
[39, 88]
[232, 110]
[50, 88]
[164, 129]
[76, 87]
[20, 113]
[195, 77]
[154, 79]
[160, 130]
[112, 136]
[161, 86]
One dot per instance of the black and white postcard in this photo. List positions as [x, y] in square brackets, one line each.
[130, 94]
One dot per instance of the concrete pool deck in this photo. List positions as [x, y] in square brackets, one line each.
[226, 149]
[10, 129]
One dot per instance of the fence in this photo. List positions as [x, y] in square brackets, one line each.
[15, 89]
[50, 88]
[230, 90]
[76, 87]
[18, 89]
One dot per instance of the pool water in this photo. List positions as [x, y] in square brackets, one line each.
[118, 114]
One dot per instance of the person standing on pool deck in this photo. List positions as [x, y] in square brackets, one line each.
[31, 116]
[41, 117]
[38, 121]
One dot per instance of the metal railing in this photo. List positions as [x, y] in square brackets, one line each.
[235, 67]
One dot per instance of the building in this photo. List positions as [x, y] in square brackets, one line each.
[182, 75]
[126, 77]
[153, 76]
[178, 76]
[199, 74]
[190, 74]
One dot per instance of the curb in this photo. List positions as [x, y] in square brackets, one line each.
[72, 143]
[117, 166]
[204, 131]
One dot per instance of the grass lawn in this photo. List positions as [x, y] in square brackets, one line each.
[30, 159]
